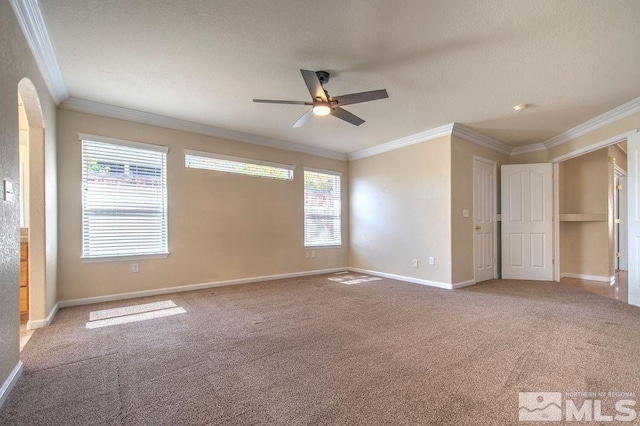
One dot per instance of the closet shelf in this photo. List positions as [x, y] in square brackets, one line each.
[583, 217]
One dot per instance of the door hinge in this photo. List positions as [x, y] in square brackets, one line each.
[618, 220]
[618, 254]
[618, 187]
[553, 261]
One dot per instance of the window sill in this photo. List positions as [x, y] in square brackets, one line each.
[123, 258]
[333, 246]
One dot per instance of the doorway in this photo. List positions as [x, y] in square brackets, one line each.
[32, 205]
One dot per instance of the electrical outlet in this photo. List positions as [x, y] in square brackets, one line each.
[432, 260]
[9, 195]
[307, 253]
[313, 253]
[415, 263]
[134, 267]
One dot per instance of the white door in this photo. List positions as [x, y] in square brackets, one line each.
[622, 226]
[527, 221]
[633, 217]
[484, 204]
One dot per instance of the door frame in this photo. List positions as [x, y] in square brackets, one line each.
[556, 185]
[494, 189]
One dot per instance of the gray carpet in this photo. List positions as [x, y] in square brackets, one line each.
[315, 351]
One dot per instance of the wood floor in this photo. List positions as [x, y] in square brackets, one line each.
[617, 290]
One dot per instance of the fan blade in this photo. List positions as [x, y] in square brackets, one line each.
[345, 115]
[356, 98]
[314, 86]
[273, 101]
[302, 120]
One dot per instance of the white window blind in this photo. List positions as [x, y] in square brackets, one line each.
[322, 208]
[124, 199]
[243, 166]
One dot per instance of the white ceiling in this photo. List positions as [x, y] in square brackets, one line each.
[442, 61]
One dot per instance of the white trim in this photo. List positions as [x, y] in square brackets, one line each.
[425, 136]
[123, 142]
[480, 139]
[463, 284]
[556, 221]
[594, 146]
[110, 111]
[404, 278]
[618, 169]
[10, 382]
[598, 122]
[126, 258]
[191, 287]
[33, 324]
[35, 32]
[603, 279]
[239, 159]
[534, 147]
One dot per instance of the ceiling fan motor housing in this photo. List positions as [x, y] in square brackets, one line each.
[323, 76]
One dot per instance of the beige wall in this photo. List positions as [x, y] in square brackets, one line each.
[462, 153]
[585, 187]
[625, 125]
[16, 62]
[221, 226]
[401, 210]
[530, 158]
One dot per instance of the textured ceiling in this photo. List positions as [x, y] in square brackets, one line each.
[467, 61]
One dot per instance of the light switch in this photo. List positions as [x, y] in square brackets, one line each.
[465, 213]
[9, 195]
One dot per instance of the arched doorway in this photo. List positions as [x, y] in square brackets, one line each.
[33, 214]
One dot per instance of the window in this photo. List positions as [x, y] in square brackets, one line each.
[124, 198]
[322, 208]
[243, 166]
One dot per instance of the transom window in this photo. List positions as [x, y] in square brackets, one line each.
[243, 166]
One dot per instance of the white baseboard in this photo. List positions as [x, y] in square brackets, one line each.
[33, 324]
[190, 287]
[463, 284]
[404, 278]
[10, 382]
[600, 278]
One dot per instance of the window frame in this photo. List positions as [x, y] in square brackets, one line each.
[326, 172]
[164, 252]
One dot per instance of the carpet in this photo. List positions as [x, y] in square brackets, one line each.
[312, 351]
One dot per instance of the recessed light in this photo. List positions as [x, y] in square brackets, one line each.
[520, 107]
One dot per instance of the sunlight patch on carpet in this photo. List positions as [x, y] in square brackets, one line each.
[135, 313]
[353, 279]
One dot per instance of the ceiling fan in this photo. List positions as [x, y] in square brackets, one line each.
[322, 104]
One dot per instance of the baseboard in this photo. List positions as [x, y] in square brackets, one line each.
[190, 287]
[463, 284]
[10, 382]
[588, 277]
[32, 325]
[404, 278]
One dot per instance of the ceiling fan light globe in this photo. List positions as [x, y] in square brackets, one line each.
[321, 110]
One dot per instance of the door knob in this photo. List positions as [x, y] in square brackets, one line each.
[478, 228]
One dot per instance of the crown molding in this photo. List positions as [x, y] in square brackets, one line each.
[428, 135]
[111, 111]
[35, 32]
[478, 138]
[598, 122]
[525, 149]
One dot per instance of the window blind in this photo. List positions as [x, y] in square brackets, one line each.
[243, 166]
[124, 199]
[322, 208]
